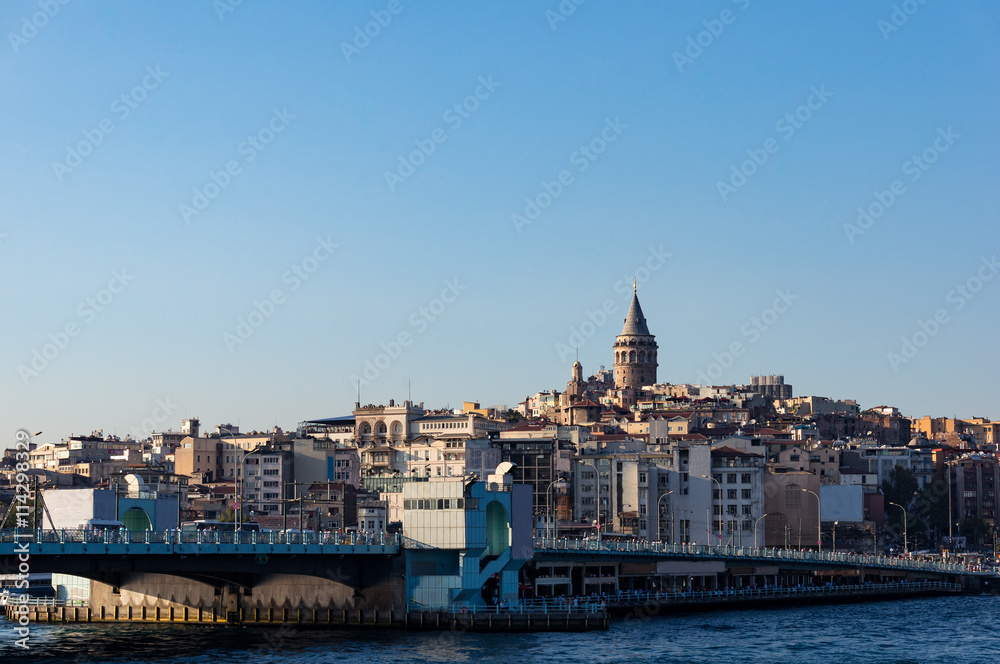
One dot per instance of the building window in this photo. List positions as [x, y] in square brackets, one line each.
[730, 478]
[731, 494]
[745, 478]
[746, 510]
[746, 494]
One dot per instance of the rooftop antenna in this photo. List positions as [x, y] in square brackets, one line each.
[409, 395]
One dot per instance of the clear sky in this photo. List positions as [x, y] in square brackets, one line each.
[226, 210]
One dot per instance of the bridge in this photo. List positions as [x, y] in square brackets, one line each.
[359, 579]
[219, 576]
[587, 567]
[614, 549]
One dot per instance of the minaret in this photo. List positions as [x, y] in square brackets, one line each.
[635, 350]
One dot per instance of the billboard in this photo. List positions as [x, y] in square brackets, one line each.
[841, 503]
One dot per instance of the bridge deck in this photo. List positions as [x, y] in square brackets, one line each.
[147, 542]
[566, 547]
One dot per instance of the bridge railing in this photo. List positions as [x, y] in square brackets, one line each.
[588, 605]
[626, 597]
[119, 536]
[640, 547]
[599, 603]
[31, 600]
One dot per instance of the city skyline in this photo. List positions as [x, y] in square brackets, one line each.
[241, 225]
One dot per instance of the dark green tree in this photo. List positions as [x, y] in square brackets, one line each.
[901, 486]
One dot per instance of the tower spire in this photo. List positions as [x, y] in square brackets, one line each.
[635, 285]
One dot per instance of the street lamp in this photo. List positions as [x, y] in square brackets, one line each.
[819, 523]
[947, 472]
[243, 485]
[597, 490]
[552, 511]
[755, 529]
[236, 504]
[659, 517]
[707, 477]
[23, 438]
[906, 547]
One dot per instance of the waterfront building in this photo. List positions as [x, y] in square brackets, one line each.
[475, 537]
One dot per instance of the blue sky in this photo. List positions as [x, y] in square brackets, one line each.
[116, 116]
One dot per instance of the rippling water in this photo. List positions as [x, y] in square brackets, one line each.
[946, 630]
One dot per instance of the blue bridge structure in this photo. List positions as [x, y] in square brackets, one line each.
[360, 579]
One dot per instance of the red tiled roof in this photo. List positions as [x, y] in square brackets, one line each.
[687, 436]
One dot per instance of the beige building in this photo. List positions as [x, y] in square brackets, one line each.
[792, 513]
[820, 460]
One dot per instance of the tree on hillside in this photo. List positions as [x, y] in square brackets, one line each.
[901, 486]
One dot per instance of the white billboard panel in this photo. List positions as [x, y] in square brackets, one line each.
[841, 503]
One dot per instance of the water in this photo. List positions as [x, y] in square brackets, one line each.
[945, 630]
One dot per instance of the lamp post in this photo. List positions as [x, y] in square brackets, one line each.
[659, 517]
[23, 438]
[947, 472]
[708, 477]
[755, 529]
[597, 491]
[236, 505]
[906, 546]
[243, 486]
[819, 522]
[552, 510]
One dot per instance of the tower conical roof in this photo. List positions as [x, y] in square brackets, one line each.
[635, 322]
